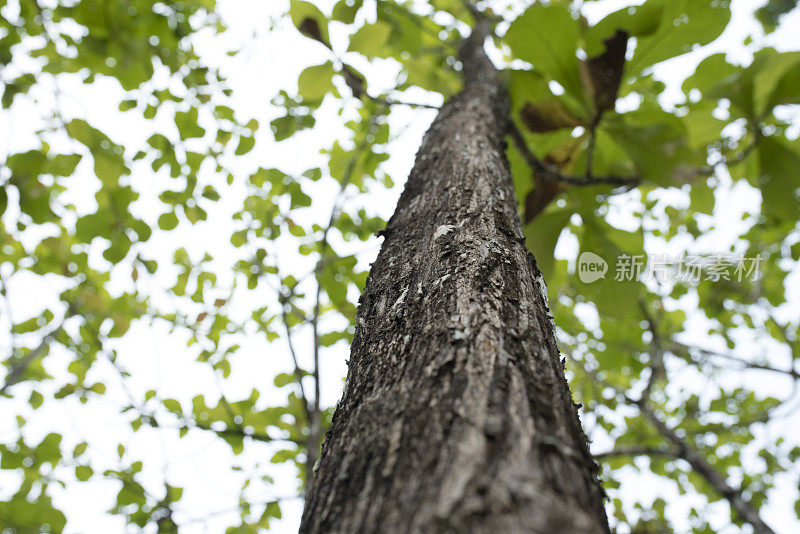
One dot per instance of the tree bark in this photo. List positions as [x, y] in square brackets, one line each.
[456, 415]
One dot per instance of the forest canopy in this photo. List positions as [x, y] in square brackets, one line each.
[191, 194]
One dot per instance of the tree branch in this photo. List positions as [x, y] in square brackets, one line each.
[298, 372]
[551, 174]
[315, 430]
[636, 451]
[21, 365]
[656, 364]
[236, 432]
[688, 453]
[686, 350]
[692, 456]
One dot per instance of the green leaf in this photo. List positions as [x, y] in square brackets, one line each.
[371, 39]
[63, 164]
[552, 52]
[702, 198]
[173, 406]
[246, 144]
[769, 75]
[284, 379]
[315, 82]
[770, 13]
[708, 73]
[779, 180]
[657, 142]
[79, 449]
[702, 127]
[636, 21]
[109, 164]
[310, 21]
[683, 24]
[607, 293]
[168, 220]
[186, 121]
[542, 234]
[126, 105]
[345, 10]
[83, 472]
[120, 245]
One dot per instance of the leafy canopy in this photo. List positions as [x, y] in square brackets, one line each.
[608, 153]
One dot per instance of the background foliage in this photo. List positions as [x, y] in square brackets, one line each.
[109, 216]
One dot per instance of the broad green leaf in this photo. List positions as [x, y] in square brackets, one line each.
[315, 82]
[371, 39]
[611, 245]
[526, 86]
[186, 121]
[779, 180]
[770, 13]
[310, 21]
[246, 144]
[702, 197]
[657, 143]
[636, 21]
[769, 75]
[83, 472]
[708, 73]
[542, 235]
[345, 10]
[168, 220]
[552, 52]
[702, 127]
[684, 24]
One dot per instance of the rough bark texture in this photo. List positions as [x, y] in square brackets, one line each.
[456, 415]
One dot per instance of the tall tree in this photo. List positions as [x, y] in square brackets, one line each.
[147, 219]
[456, 415]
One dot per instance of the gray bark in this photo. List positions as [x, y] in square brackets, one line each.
[456, 415]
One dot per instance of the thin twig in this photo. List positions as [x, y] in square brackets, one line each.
[680, 348]
[636, 451]
[315, 429]
[298, 371]
[656, 364]
[21, 365]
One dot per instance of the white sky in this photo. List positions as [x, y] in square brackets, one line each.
[158, 359]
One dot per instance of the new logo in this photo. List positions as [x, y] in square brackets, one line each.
[591, 267]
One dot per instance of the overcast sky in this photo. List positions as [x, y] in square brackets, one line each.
[158, 359]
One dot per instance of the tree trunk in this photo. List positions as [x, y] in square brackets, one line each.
[456, 415]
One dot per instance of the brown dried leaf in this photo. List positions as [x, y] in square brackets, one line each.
[541, 195]
[602, 74]
[310, 28]
[547, 116]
